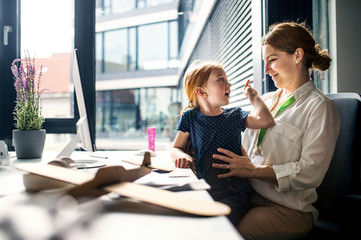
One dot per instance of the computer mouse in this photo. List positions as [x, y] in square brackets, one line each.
[143, 151]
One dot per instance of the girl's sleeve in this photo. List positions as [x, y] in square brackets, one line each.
[183, 124]
[243, 114]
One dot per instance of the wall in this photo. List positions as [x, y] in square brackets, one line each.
[346, 35]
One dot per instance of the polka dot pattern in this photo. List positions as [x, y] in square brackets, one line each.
[207, 133]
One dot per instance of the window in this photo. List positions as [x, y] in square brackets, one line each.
[150, 3]
[147, 47]
[124, 115]
[173, 45]
[115, 50]
[108, 7]
[132, 49]
[99, 52]
[153, 46]
[227, 38]
[147, 52]
[48, 30]
[52, 48]
[321, 33]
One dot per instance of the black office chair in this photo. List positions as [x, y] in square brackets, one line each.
[339, 196]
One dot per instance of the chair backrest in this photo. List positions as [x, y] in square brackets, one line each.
[343, 175]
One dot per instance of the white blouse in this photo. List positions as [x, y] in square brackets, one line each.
[299, 147]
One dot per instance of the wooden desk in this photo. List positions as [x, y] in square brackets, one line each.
[109, 217]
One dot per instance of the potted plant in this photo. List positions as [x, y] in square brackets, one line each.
[28, 137]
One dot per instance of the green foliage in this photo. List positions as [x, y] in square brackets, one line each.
[27, 111]
[28, 116]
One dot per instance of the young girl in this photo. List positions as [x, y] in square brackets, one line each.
[208, 127]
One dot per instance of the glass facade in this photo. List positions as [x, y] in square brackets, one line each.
[147, 47]
[115, 50]
[124, 115]
[153, 46]
[109, 7]
[151, 3]
[144, 51]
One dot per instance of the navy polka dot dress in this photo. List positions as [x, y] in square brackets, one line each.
[207, 133]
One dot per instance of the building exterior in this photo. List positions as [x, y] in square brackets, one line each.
[137, 70]
[142, 51]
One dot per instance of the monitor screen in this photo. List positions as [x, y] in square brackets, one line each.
[82, 138]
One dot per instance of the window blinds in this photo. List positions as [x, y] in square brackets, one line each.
[227, 38]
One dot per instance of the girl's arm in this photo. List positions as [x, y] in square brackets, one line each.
[261, 117]
[180, 158]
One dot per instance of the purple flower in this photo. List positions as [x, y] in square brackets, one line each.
[40, 74]
[27, 93]
[18, 87]
[15, 72]
[15, 61]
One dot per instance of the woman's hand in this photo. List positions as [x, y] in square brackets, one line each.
[242, 166]
[239, 166]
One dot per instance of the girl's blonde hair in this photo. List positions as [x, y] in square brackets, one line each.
[197, 75]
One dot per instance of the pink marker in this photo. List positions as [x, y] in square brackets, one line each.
[151, 138]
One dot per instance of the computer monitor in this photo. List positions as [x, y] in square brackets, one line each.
[82, 138]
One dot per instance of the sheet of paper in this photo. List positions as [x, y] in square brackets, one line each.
[175, 179]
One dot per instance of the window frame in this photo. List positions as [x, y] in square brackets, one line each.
[9, 12]
[84, 40]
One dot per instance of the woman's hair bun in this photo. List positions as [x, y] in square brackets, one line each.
[321, 59]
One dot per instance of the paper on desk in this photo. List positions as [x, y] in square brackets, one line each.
[178, 180]
[11, 184]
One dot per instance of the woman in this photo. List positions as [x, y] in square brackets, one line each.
[288, 161]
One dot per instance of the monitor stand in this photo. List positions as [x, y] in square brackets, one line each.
[69, 147]
[79, 163]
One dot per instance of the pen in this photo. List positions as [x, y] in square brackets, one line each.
[181, 176]
[103, 157]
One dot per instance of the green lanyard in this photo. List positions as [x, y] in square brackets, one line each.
[263, 131]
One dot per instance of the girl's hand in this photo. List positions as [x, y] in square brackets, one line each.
[239, 166]
[249, 91]
[183, 163]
